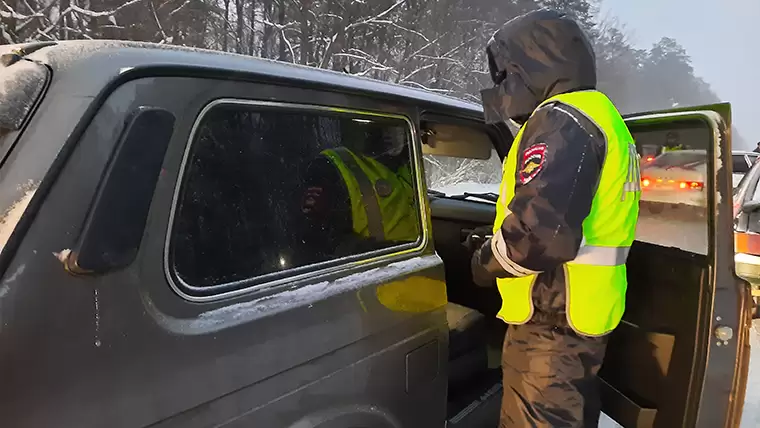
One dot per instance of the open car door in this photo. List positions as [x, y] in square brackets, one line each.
[680, 356]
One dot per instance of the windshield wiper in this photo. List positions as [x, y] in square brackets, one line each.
[436, 193]
[488, 196]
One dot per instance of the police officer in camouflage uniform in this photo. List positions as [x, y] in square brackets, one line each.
[566, 218]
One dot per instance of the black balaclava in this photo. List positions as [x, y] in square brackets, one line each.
[534, 57]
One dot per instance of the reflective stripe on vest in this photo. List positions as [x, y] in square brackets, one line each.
[367, 191]
[596, 279]
[672, 149]
[391, 217]
[601, 256]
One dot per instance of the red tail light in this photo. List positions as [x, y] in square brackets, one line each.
[683, 185]
[649, 158]
[691, 185]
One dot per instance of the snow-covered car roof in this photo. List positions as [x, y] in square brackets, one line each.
[99, 59]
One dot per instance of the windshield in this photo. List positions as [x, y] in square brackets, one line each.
[457, 176]
[679, 159]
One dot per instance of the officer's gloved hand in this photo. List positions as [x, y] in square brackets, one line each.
[477, 237]
[481, 266]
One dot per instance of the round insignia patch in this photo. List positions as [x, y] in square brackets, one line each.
[533, 162]
[383, 188]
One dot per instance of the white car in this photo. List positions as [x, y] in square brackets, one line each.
[674, 178]
[742, 162]
[678, 177]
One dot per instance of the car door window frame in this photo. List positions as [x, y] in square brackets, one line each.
[206, 293]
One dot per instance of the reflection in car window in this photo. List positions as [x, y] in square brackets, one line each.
[674, 200]
[268, 190]
[455, 176]
[679, 158]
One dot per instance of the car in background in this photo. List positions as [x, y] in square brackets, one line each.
[742, 162]
[677, 177]
[674, 178]
[746, 208]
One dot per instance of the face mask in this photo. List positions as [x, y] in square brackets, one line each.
[509, 100]
[494, 108]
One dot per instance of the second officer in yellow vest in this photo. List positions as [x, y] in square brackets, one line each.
[565, 220]
[363, 199]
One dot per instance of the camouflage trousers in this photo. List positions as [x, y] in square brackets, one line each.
[550, 378]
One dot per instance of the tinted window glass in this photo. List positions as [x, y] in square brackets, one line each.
[267, 190]
[739, 164]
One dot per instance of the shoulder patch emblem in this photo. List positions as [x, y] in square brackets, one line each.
[534, 158]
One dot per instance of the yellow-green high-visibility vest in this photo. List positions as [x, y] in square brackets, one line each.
[382, 201]
[595, 281]
[666, 149]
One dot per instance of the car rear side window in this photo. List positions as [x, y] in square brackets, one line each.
[272, 190]
[739, 164]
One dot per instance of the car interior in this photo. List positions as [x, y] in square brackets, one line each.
[651, 357]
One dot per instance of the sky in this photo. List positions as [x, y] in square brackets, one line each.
[719, 35]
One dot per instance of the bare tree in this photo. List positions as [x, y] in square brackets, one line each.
[435, 45]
